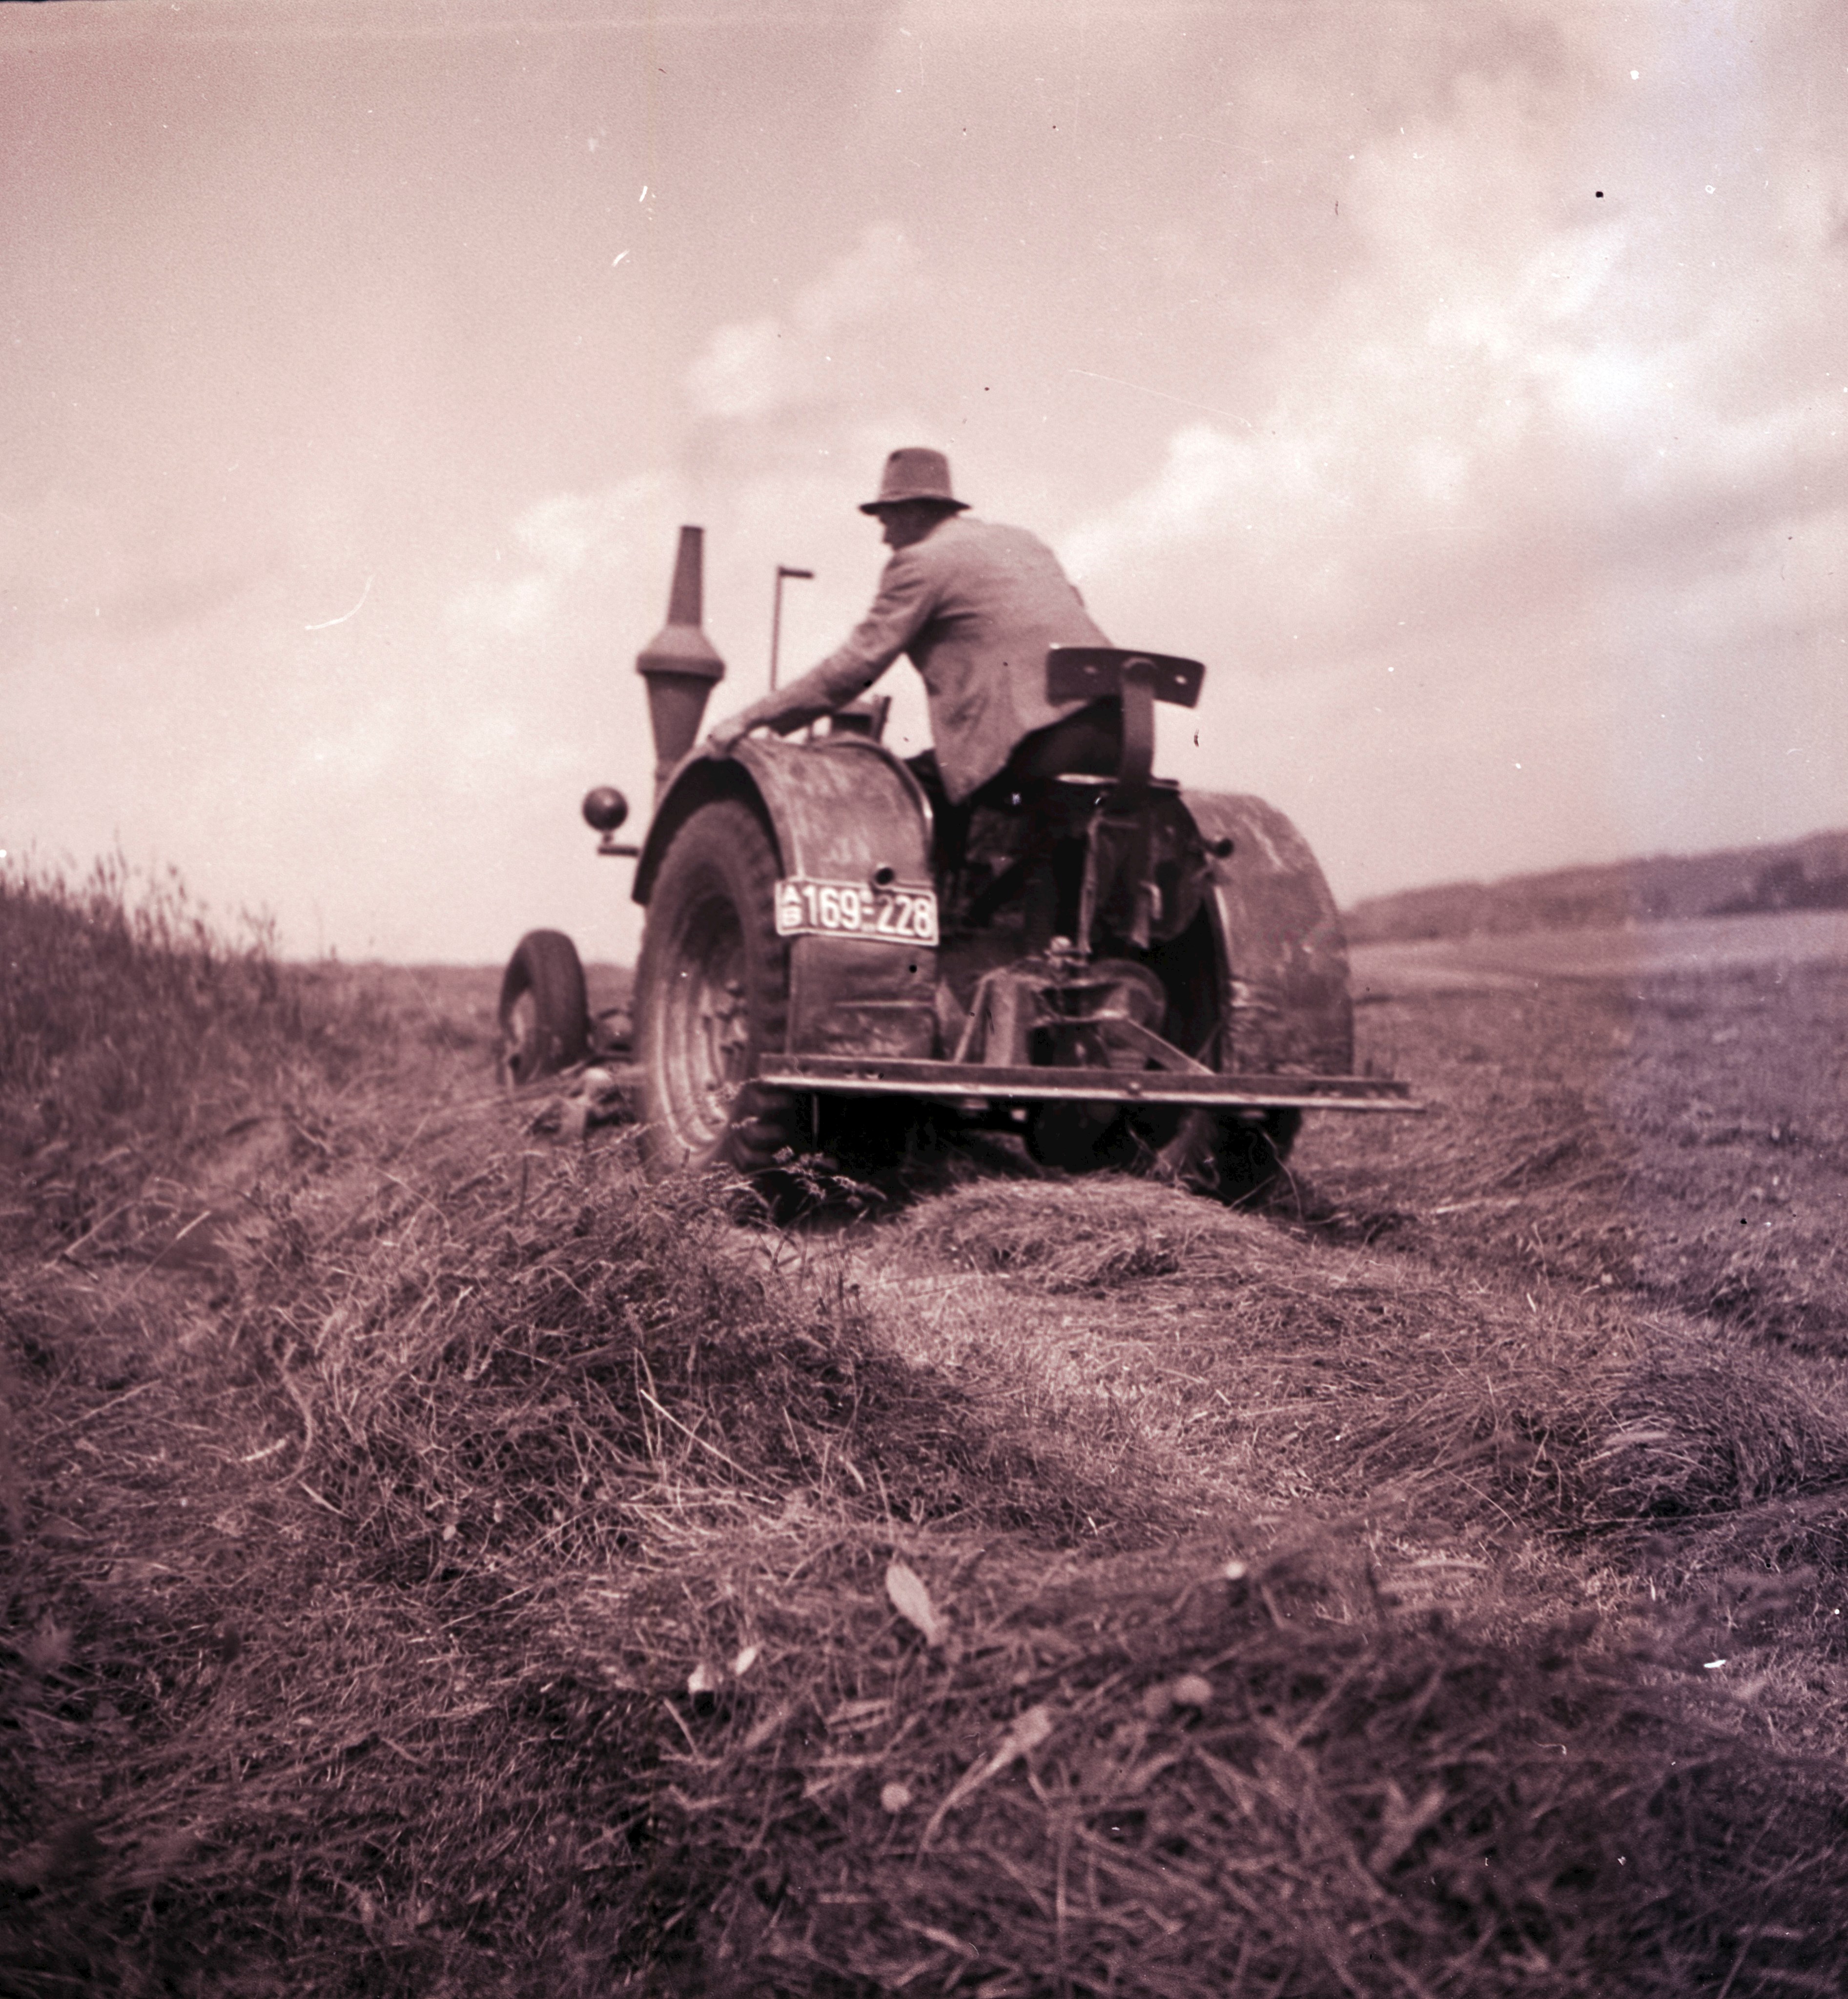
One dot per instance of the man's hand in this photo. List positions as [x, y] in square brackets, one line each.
[727, 735]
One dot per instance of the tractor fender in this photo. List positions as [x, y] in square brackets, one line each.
[1283, 955]
[839, 809]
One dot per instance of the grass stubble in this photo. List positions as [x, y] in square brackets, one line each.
[439, 1561]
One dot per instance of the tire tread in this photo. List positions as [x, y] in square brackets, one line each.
[727, 841]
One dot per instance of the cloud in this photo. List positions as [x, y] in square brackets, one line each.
[1494, 414]
[573, 545]
[741, 371]
[755, 368]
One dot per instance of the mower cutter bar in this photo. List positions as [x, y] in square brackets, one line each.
[874, 1075]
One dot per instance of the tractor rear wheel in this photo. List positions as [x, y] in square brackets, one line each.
[712, 996]
[545, 1022]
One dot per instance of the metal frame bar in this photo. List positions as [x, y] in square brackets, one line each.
[872, 1075]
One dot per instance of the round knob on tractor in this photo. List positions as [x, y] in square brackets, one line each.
[605, 809]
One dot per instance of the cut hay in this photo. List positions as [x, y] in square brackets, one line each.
[1547, 1406]
[1089, 1236]
[1166, 1778]
[439, 1563]
[454, 1419]
[1718, 1429]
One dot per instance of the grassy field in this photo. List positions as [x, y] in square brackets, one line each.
[436, 1562]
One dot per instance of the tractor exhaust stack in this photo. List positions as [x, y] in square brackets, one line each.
[679, 664]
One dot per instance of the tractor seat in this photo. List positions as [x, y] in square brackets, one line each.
[1139, 679]
[1096, 673]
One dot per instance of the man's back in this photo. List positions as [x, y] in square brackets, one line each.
[977, 607]
[992, 599]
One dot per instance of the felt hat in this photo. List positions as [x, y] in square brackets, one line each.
[914, 472]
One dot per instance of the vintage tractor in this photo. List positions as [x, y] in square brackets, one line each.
[1123, 973]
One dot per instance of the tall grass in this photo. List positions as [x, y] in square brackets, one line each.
[131, 1029]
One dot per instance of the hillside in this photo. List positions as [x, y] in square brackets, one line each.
[434, 1560]
[1807, 874]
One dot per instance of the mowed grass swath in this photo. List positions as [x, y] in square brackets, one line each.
[439, 1560]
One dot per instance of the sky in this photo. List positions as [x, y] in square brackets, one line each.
[1465, 384]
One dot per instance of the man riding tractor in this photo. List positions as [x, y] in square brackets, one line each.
[1022, 927]
[977, 607]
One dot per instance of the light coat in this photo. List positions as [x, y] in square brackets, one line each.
[976, 605]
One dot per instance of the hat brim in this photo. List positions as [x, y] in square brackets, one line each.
[909, 499]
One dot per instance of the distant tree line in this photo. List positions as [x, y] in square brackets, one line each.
[1784, 885]
[1808, 874]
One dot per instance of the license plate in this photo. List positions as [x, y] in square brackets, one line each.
[849, 909]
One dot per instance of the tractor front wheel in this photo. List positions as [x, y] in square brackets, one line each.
[712, 996]
[545, 1022]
